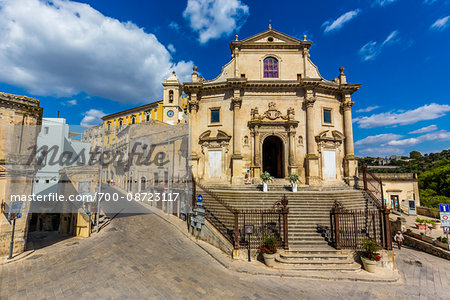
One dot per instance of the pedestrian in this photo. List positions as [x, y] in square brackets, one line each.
[399, 239]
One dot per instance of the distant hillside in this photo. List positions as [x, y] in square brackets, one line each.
[433, 170]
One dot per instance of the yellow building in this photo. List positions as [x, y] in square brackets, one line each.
[115, 122]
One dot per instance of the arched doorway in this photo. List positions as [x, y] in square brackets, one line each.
[143, 185]
[273, 160]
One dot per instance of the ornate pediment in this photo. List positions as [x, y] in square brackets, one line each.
[220, 139]
[330, 137]
[272, 114]
[276, 36]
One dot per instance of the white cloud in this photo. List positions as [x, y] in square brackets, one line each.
[340, 21]
[424, 129]
[440, 24]
[381, 151]
[377, 139]
[92, 117]
[442, 135]
[72, 102]
[384, 2]
[429, 1]
[62, 48]
[213, 19]
[372, 49]
[171, 48]
[426, 112]
[174, 25]
[367, 109]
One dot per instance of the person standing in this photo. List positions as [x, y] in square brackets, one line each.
[399, 239]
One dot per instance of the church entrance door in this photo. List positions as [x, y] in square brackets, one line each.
[273, 156]
[329, 163]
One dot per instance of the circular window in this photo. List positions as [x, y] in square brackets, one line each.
[270, 39]
[170, 113]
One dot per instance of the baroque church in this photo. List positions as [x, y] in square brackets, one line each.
[268, 110]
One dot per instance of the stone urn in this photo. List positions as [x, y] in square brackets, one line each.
[294, 187]
[436, 225]
[369, 265]
[269, 259]
[265, 187]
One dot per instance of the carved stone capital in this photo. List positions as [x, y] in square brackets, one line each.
[236, 102]
[347, 105]
[193, 105]
[310, 98]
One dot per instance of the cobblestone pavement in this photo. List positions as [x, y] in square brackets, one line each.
[143, 256]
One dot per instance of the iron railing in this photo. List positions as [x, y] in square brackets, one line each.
[231, 222]
[350, 227]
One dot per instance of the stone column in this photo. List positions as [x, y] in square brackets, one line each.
[312, 159]
[348, 130]
[351, 162]
[237, 175]
[292, 164]
[257, 156]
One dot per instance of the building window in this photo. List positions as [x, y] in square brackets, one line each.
[170, 96]
[45, 130]
[120, 123]
[327, 116]
[109, 126]
[47, 180]
[270, 68]
[215, 115]
[147, 117]
[133, 120]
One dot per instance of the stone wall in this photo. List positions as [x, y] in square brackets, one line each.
[426, 247]
[210, 235]
[17, 177]
[429, 212]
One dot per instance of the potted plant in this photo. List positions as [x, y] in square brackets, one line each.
[293, 178]
[265, 176]
[370, 257]
[421, 224]
[269, 249]
[436, 224]
[442, 242]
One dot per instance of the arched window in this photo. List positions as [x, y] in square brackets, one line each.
[133, 120]
[270, 68]
[120, 123]
[170, 96]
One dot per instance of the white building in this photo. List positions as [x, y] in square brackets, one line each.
[62, 152]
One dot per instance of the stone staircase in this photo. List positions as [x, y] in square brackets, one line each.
[309, 216]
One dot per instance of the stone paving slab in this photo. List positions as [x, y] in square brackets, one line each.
[147, 258]
[259, 268]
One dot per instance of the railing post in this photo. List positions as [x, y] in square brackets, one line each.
[285, 224]
[364, 168]
[336, 228]
[236, 230]
[387, 228]
[383, 203]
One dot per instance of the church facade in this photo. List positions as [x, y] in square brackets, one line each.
[270, 110]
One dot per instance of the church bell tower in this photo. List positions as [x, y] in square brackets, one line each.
[172, 111]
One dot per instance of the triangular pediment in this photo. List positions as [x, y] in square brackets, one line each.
[271, 36]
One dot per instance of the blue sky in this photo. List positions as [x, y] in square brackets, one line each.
[90, 58]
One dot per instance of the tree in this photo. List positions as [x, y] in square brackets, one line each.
[415, 155]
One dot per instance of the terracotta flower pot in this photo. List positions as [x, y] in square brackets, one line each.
[269, 259]
[369, 265]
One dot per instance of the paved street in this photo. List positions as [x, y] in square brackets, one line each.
[143, 256]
